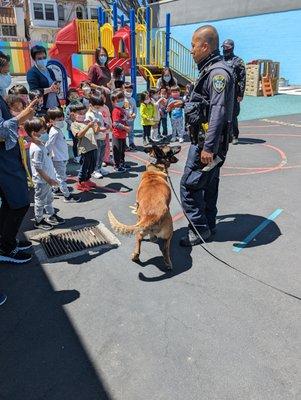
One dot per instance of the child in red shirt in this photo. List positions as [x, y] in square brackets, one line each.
[120, 130]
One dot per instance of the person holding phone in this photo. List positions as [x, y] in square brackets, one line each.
[42, 78]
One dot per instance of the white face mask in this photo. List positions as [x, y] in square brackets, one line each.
[87, 89]
[128, 94]
[5, 81]
[147, 101]
[59, 124]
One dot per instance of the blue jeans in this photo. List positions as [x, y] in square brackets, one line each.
[101, 148]
[131, 134]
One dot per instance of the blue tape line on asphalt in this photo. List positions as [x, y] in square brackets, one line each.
[240, 246]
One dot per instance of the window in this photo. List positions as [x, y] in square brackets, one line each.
[49, 12]
[9, 30]
[80, 12]
[61, 12]
[38, 11]
[94, 13]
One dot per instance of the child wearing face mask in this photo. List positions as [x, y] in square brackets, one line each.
[43, 175]
[16, 105]
[163, 113]
[37, 94]
[131, 108]
[156, 100]
[87, 91]
[73, 98]
[176, 115]
[106, 115]
[58, 150]
[94, 114]
[87, 146]
[120, 130]
[147, 113]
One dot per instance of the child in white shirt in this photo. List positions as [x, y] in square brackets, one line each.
[58, 150]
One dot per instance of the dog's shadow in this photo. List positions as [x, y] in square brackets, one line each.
[180, 257]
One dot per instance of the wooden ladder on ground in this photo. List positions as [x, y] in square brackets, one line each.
[267, 88]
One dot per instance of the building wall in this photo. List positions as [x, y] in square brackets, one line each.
[19, 13]
[193, 11]
[270, 36]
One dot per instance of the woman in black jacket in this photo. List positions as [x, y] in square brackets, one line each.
[42, 78]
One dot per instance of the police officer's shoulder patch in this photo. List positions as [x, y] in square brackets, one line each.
[219, 83]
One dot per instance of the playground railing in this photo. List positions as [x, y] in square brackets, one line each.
[181, 60]
[87, 35]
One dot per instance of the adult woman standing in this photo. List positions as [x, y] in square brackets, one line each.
[167, 80]
[99, 73]
[39, 77]
[13, 182]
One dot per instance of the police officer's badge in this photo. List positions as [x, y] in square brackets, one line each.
[219, 83]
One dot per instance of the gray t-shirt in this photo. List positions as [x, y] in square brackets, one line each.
[40, 159]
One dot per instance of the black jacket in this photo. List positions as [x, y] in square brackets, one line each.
[36, 80]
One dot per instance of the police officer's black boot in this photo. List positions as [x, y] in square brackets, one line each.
[192, 239]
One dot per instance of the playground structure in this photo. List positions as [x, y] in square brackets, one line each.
[133, 45]
[262, 78]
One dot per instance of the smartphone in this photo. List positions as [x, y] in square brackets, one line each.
[57, 82]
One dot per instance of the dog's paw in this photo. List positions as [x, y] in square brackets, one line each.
[135, 258]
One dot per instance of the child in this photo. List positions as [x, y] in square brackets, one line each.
[163, 112]
[176, 115]
[72, 99]
[87, 146]
[94, 115]
[120, 130]
[131, 107]
[147, 113]
[156, 100]
[43, 175]
[58, 150]
[21, 91]
[87, 91]
[106, 115]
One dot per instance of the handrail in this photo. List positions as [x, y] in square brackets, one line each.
[181, 60]
[148, 75]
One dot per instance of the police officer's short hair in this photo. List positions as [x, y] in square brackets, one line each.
[34, 125]
[211, 35]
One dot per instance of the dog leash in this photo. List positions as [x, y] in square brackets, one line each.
[218, 258]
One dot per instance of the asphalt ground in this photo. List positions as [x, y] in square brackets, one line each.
[102, 327]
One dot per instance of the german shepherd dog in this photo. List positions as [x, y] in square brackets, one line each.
[153, 200]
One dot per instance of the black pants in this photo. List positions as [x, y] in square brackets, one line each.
[146, 132]
[118, 151]
[75, 143]
[88, 163]
[236, 111]
[199, 192]
[163, 122]
[10, 222]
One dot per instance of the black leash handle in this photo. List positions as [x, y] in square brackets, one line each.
[221, 260]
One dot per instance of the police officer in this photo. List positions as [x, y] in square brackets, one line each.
[239, 72]
[208, 112]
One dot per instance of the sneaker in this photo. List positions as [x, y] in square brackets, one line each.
[192, 239]
[133, 147]
[97, 175]
[24, 245]
[234, 141]
[127, 167]
[119, 169]
[71, 199]
[172, 140]
[15, 257]
[3, 298]
[44, 225]
[181, 140]
[90, 184]
[104, 164]
[55, 220]
[104, 172]
[82, 187]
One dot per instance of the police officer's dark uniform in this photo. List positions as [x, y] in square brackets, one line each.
[208, 111]
[239, 73]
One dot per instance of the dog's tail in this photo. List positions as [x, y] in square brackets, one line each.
[129, 229]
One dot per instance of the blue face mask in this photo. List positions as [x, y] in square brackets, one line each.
[5, 81]
[42, 64]
[120, 103]
[44, 137]
[102, 59]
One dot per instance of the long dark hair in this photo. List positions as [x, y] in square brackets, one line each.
[171, 82]
[97, 53]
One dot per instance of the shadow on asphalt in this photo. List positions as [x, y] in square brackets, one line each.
[236, 227]
[180, 257]
[42, 356]
[245, 140]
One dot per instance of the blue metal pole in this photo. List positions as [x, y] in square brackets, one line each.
[104, 17]
[115, 17]
[122, 20]
[99, 16]
[133, 53]
[167, 45]
[148, 34]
